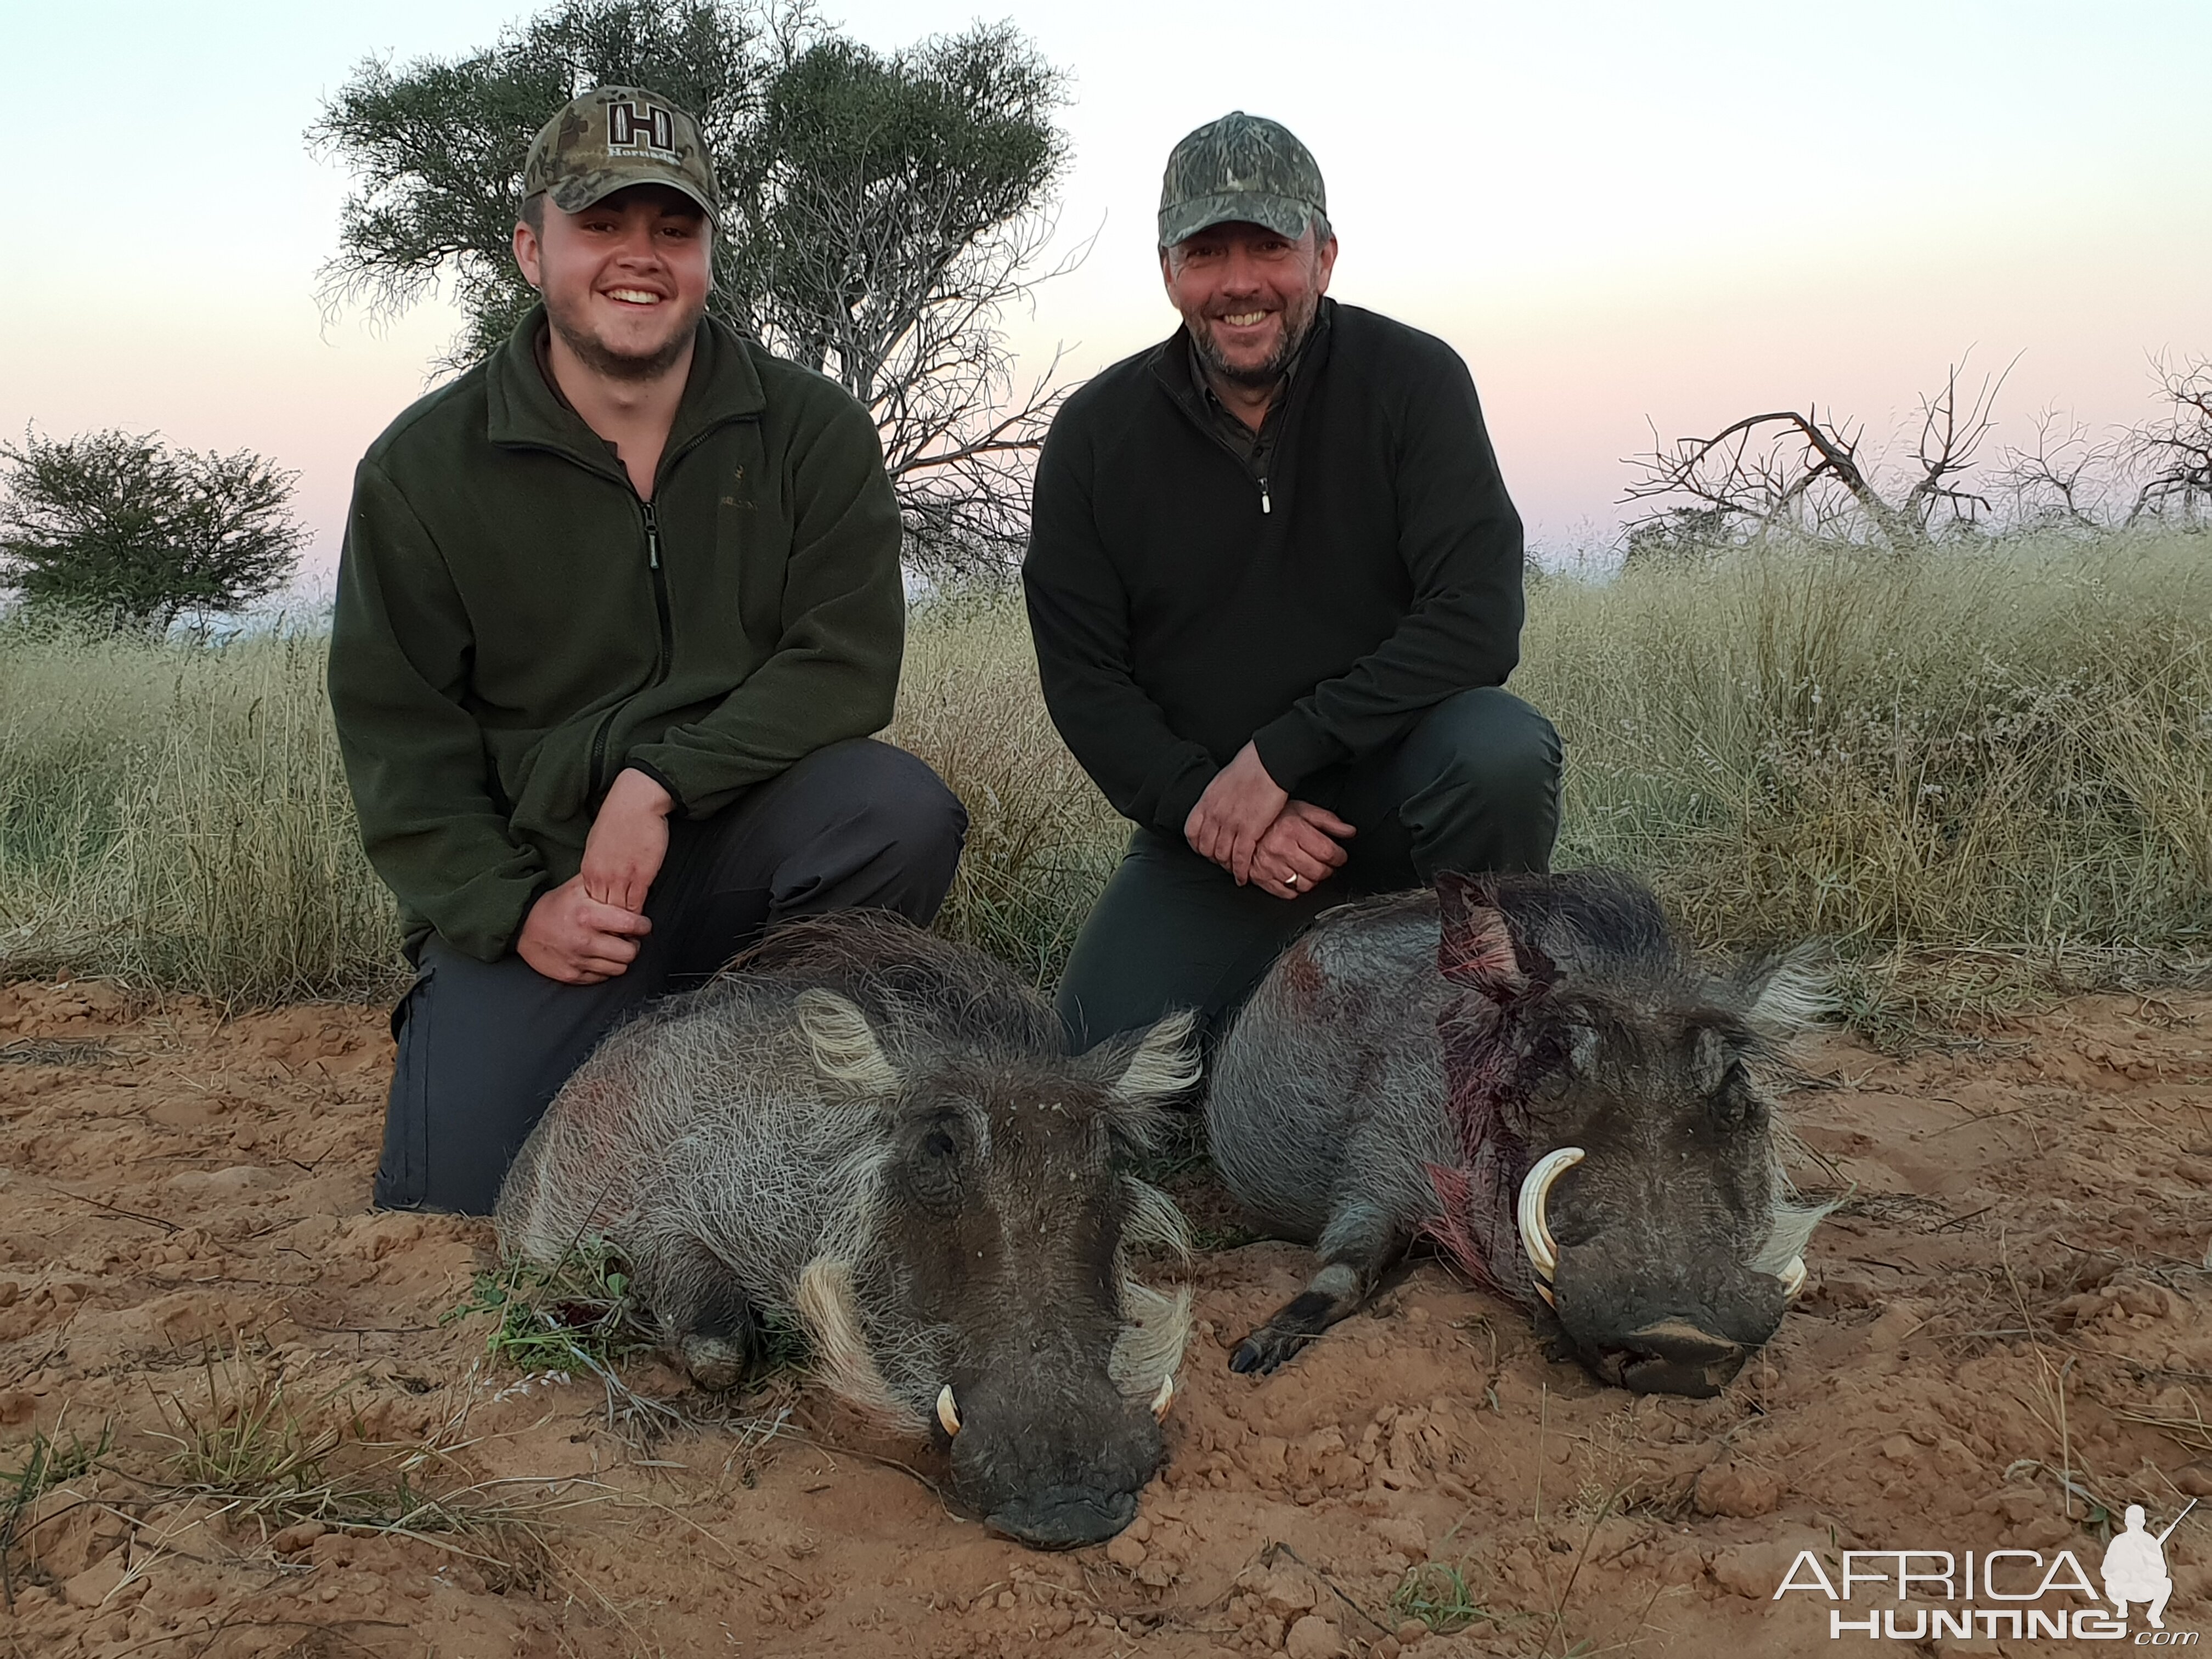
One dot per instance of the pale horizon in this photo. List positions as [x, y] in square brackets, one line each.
[1618, 218]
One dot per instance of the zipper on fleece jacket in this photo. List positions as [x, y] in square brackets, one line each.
[659, 595]
[1244, 466]
[1266, 503]
[615, 472]
[664, 652]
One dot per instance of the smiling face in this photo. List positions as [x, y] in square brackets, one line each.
[1248, 294]
[624, 281]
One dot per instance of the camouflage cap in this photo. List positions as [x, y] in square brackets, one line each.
[613, 138]
[1242, 166]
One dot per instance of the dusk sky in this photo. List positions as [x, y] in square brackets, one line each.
[1619, 214]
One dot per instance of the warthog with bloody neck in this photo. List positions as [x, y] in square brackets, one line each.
[883, 1135]
[1531, 1071]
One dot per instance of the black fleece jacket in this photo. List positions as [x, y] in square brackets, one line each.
[1182, 606]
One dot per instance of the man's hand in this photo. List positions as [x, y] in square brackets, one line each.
[628, 840]
[1236, 809]
[571, 937]
[1302, 848]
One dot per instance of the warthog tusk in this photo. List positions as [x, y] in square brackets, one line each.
[1164, 1398]
[1793, 1277]
[1536, 1232]
[947, 1413]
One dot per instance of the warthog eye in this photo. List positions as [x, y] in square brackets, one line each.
[934, 1171]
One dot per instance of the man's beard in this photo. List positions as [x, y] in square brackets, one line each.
[1262, 375]
[596, 355]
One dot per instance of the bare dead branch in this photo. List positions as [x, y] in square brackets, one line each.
[2064, 478]
[1802, 471]
[2175, 449]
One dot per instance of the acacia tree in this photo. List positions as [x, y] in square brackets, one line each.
[120, 528]
[896, 209]
[880, 213]
[2066, 478]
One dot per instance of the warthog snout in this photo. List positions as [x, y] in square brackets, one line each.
[1671, 1357]
[1606, 1252]
[1052, 1474]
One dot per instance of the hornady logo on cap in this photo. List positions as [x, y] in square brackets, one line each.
[2021, 1595]
[640, 129]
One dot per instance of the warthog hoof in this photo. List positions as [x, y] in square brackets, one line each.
[1266, 1349]
[1335, 1293]
[716, 1362]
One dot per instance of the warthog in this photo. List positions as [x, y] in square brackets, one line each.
[883, 1135]
[1529, 1070]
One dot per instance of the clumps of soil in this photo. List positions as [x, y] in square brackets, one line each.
[259, 1432]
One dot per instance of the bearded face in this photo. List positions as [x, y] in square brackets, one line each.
[1248, 296]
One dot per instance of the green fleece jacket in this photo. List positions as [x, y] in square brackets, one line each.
[515, 626]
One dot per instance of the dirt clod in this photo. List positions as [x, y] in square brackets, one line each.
[1312, 1638]
[1728, 1489]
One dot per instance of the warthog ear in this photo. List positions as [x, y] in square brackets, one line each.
[1476, 947]
[845, 1049]
[1165, 1064]
[1788, 992]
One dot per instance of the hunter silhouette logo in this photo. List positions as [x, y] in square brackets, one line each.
[640, 129]
[2135, 1567]
[2019, 1594]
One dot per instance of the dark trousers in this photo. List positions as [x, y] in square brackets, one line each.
[1475, 786]
[484, 1046]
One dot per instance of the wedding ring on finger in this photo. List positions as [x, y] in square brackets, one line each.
[1291, 879]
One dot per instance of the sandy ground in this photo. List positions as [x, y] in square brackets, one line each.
[2008, 1332]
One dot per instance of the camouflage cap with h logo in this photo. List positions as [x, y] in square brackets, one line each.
[1241, 167]
[613, 138]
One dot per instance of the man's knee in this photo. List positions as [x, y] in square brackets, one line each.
[897, 794]
[1482, 775]
[1488, 742]
[867, 824]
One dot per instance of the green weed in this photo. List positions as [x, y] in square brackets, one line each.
[576, 1316]
[47, 1464]
[1436, 1592]
[1229, 1236]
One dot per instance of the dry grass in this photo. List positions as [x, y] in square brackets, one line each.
[2003, 750]
[176, 815]
[1041, 839]
[241, 1443]
[1998, 760]
[240, 1446]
